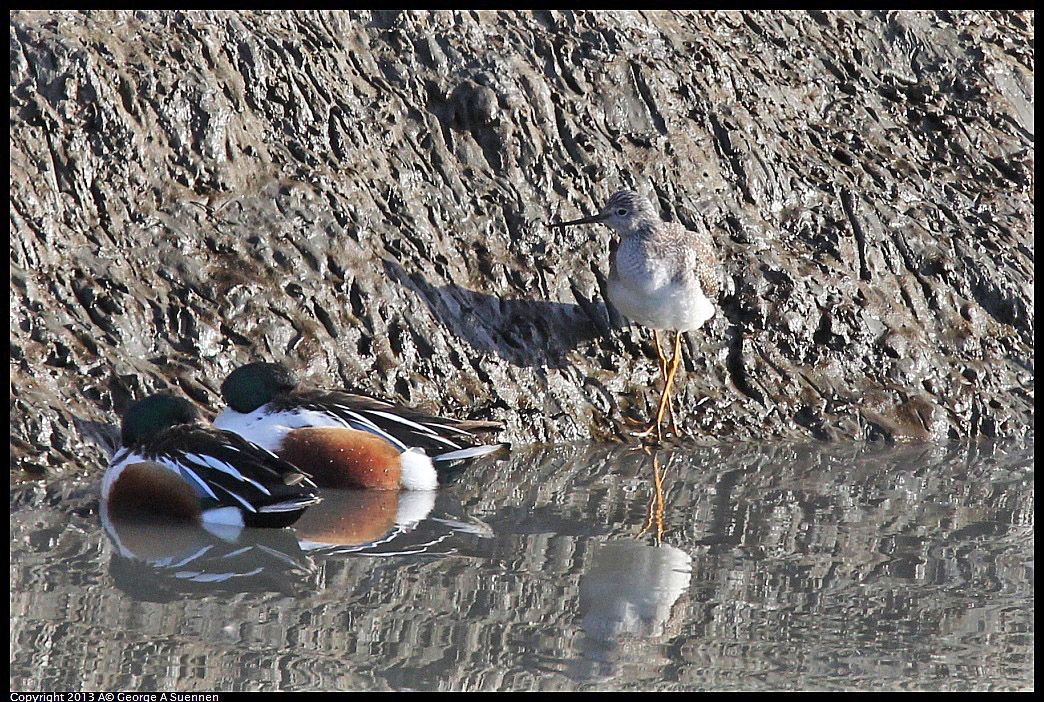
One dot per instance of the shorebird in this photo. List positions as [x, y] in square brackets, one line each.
[661, 276]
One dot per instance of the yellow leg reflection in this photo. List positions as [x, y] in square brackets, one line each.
[656, 503]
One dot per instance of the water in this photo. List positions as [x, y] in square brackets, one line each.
[779, 567]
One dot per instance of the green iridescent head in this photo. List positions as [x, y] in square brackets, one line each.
[255, 384]
[154, 414]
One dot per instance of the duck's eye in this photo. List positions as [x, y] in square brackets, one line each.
[621, 212]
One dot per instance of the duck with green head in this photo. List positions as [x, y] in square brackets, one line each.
[169, 466]
[347, 440]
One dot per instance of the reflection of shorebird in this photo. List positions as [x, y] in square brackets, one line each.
[661, 276]
[170, 467]
[344, 440]
[631, 588]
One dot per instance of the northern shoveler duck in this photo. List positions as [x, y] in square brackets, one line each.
[344, 440]
[171, 467]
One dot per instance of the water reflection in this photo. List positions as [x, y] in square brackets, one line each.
[657, 506]
[156, 560]
[628, 593]
[779, 567]
[630, 588]
[388, 523]
[157, 564]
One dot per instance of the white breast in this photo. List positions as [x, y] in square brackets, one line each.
[268, 429]
[653, 296]
[667, 307]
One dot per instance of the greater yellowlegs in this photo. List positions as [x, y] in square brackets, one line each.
[661, 276]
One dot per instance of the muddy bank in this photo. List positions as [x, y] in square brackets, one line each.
[365, 197]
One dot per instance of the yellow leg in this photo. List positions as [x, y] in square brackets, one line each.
[668, 382]
[665, 399]
[664, 363]
[674, 369]
[664, 366]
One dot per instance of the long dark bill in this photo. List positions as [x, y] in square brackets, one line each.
[594, 219]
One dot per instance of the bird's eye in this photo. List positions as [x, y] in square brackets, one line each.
[621, 212]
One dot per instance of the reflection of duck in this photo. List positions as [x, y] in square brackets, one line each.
[385, 523]
[630, 589]
[170, 467]
[345, 440]
[156, 561]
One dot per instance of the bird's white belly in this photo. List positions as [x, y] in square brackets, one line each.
[670, 306]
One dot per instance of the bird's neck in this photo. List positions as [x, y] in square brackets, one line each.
[641, 231]
[628, 257]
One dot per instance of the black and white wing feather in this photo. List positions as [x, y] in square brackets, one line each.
[226, 470]
[444, 440]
